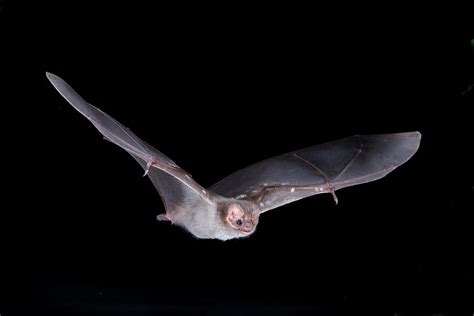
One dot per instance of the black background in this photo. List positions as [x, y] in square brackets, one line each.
[217, 88]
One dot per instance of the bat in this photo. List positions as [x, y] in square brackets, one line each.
[231, 208]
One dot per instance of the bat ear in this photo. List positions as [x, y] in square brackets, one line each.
[235, 212]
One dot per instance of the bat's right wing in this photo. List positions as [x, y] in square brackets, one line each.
[175, 185]
[319, 169]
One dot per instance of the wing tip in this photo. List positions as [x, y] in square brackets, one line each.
[51, 76]
[54, 79]
[418, 136]
[409, 145]
[414, 134]
[415, 138]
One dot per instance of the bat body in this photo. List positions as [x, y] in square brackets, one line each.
[231, 207]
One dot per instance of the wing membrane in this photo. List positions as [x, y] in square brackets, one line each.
[173, 183]
[319, 169]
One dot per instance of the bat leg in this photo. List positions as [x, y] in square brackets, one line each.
[162, 217]
[334, 196]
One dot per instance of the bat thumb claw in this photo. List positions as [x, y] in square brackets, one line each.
[149, 163]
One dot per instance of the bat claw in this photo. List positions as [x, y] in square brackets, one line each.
[149, 164]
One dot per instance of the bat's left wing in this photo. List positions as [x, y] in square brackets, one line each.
[322, 168]
[175, 185]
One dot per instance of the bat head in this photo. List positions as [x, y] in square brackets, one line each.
[241, 217]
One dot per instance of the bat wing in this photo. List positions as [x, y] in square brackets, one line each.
[176, 196]
[322, 168]
[176, 187]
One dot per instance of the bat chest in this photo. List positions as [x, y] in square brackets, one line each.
[201, 222]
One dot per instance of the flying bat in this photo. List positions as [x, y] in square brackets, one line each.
[231, 208]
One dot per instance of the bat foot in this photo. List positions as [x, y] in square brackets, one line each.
[162, 217]
[334, 196]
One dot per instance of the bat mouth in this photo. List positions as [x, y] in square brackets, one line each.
[246, 229]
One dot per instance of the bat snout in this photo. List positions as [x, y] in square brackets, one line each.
[247, 227]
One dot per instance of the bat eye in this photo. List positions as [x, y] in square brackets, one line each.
[238, 222]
